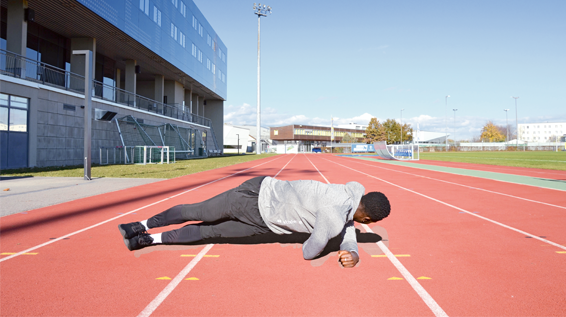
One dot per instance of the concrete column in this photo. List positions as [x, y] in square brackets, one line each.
[215, 112]
[159, 88]
[78, 61]
[17, 28]
[118, 78]
[191, 99]
[130, 84]
[203, 104]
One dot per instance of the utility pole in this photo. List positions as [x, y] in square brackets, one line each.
[516, 122]
[454, 125]
[446, 119]
[507, 127]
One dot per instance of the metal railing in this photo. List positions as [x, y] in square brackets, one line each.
[15, 65]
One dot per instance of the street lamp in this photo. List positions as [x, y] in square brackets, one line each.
[238, 143]
[260, 11]
[402, 126]
[516, 122]
[454, 125]
[446, 119]
[507, 127]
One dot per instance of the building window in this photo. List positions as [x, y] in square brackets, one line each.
[182, 39]
[13, 113]
[195, 22]
[194, 50]
[223, 77]
[208, 64]
[144, 6]
[200, 30]
[199, 56]
[213, 68]
[208, 40]
[175, 3]
[275, 132]
[156, 16]
[183, 9]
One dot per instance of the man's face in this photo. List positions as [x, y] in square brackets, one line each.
[361, 216]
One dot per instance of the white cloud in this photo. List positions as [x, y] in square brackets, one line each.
[465, 127]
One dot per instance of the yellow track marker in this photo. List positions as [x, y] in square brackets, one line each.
[10, 253]
[193, 255]
[561, 252]
[424, 278]
[163, 278]
[192, 279]
[394, 279]
[396, 255]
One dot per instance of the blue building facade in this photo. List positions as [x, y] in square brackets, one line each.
[156, 62]
[175, 30]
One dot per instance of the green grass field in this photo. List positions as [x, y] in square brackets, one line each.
[180, 168]
[532, 159]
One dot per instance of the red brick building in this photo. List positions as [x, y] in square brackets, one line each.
[309, 136]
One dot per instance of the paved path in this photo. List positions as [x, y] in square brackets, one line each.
[20, 194]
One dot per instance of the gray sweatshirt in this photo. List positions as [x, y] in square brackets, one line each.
[324, 210]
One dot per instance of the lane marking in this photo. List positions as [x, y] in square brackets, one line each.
[394, 279]
[477, 188]
[425, 296]
[127, 213]
[173, 284]
[193, 255]
[561, 252]
[458, 208]
[163, 278]
[192, 279]
[285, 166]
[396, 255]
[151, 307]
[424, 278]
[10, 253]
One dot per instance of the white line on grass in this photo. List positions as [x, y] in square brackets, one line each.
[485, 190]
[425, 296]
[458, 208]
[175, 282]
[127, 213]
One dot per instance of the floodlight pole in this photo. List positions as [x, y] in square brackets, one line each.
[259, 11]
[446, 120]
[238, 143]
[454, 125]
[88, 111]
[402, 126]
[507, 127]
[516, 122]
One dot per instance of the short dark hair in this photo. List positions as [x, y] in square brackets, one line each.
[376, 205]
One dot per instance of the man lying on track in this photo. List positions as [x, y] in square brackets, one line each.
[264, 204]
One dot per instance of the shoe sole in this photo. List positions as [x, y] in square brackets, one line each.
[126, 240]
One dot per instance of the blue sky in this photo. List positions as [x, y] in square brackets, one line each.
[374, 58]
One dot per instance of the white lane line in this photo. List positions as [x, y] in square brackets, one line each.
[285, 166]
[425, 296]
[429, 301]
[471, 187]
[173, 284]
[458, 208]
[127, 213]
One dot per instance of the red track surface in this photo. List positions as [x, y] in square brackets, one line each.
[476, 267]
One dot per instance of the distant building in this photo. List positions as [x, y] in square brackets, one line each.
[236, 139]
[305, 137]
[424, 137]
[541, 132]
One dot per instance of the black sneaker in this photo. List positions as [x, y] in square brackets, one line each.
[138, 242]
[130, 230]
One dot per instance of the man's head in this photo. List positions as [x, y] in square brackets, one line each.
[373, 207]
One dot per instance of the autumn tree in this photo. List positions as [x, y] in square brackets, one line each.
[375, 132]
[492, 133]
[393, 131]
[348, 138]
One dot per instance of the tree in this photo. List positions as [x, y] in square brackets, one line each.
[348, 138]
[375, 132]
[492, 133]
[393, 131]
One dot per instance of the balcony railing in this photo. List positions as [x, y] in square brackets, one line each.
[15, 65]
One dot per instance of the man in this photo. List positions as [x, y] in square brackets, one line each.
[264, 204]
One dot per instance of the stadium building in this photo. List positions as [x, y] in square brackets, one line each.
[306, 137]
[542, 132]
[159, 74]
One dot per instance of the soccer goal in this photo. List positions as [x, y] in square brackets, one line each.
[401, 152]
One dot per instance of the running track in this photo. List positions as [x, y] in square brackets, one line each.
[465, 246]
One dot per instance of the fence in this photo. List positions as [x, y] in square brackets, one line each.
[494, 146]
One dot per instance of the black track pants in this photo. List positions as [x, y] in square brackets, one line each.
[232, 214]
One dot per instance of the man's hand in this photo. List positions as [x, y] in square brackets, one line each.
[348, 259]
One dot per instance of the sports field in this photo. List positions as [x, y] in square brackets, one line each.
[534, 159]
[454, 244]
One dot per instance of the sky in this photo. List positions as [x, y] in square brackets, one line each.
[373, 58]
